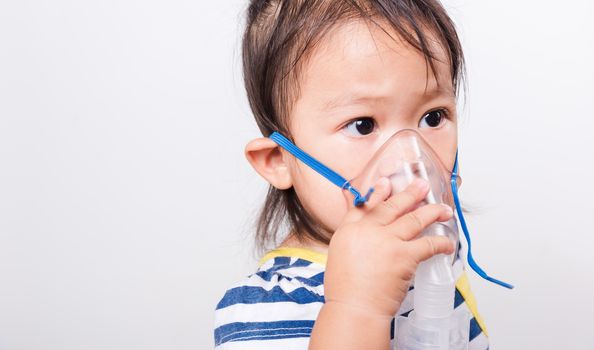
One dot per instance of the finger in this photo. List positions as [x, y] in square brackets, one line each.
[400, 203]
[414, 222]
[429, 246]
[382, 190]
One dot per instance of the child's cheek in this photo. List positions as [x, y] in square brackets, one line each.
[323, 200]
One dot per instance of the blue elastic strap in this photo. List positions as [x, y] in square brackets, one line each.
[470, 259]
[323, 170]
[341, 182]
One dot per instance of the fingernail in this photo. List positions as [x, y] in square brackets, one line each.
[449, 210]
[383, 181]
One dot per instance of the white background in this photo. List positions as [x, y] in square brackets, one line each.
[126, 203]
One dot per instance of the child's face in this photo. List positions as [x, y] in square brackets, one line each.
[355, 92]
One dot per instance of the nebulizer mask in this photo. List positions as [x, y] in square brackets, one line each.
[404, 157]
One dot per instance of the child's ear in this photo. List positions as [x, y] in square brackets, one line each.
[266, 158]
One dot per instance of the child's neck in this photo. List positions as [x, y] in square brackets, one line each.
[307, 243]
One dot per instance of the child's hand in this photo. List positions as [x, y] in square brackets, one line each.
[374, 253]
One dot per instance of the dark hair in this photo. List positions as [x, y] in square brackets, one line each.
[279, 37]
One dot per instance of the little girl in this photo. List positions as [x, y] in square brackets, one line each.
[337, 78]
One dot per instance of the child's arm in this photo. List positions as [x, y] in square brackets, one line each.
[372, 259]
[341, 326]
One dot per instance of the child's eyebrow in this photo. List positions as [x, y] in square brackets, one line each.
[350, 99]
[355, 98]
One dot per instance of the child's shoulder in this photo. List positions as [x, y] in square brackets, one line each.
[294, 264]
[282, 273]
[286, 292]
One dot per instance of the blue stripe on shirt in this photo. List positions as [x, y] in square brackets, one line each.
[255, 295]
[280, 262]
[475, 329]
[280, 265]
[392, 328]
[313, 281]
[239, 331]
[458, 298]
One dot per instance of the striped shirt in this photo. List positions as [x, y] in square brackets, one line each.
[276, 307]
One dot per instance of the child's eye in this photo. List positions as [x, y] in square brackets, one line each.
[432, 119]
[361, 126]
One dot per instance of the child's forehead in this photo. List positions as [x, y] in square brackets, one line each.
[357, 58]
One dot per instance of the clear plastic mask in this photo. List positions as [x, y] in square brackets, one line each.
[404, 157]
